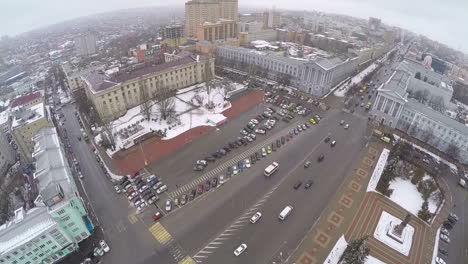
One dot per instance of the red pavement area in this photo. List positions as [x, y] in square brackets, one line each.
[132, 160]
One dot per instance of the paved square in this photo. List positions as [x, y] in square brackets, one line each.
[346, 201]
[322, 239]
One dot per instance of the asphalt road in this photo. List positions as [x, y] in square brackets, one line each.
[132, 241]
[221, 216]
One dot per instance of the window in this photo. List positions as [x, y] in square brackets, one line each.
[42, 246]
[29, 254]
[61, 212]
[66, 218]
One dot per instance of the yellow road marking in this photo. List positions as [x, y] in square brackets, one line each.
[187, 260]
[132, 218]
[160, 233]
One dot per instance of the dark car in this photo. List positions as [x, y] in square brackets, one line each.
[198, 168]
[283, 140]
[214, 182]
[327, 139]
[278, 143]
[447, 224]
[227, 149]
[273, 147]
[232, 145]
[192, 194]
[200, 189]
[321, 157]
[222, 152]
[207, 185]
[307, 164]
[209, 158]
[258, 156]
[215, 155]
[296, 132]
[307, 125]
[443, 251]
[308, 184]
[285, 119]
[229, 171]
[297, 185]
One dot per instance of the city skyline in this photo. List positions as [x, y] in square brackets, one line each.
[441, 21]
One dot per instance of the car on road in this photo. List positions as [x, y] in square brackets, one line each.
[98, 252]
[198, 168]
[268, 149]
[168, 206]
[453, 218]
[104, 246]
[161, 189]
[283, 140]
[308, 184]
[443, 251]
[278, 143]
[247, 163]
[214, 182]
[255, 217]
[341, 122]
[235, 170]
[192, 194]
[210, 158]
[157, 216]
[143, 188]
[445, 231]
[346, 126]
[297, 185]
[321, 157]
[117, 189]
[327, 139]
[239, 250]
[307, 164]
[264, 152]
[312, 121]
[207, 185]
[260, 131]
[132, 195]
[183, 199]
[333, 143]
[438, 260]
[462, 183]
[201, 162]
[445, 238]
[200, 189]
[447, 224]
[258, 155]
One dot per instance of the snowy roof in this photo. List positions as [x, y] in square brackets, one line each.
[397, 85]
[26, 99]
[52, 169]
[4, 117]
[28, 116]
[16, 233]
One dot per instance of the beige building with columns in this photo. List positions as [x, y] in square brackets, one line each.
[113, 95]
[198, 12]
[220, 30]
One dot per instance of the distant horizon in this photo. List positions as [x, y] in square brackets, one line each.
[430, 22]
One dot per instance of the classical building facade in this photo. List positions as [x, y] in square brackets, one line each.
[221, 30]
[113, 95]
[315, 77]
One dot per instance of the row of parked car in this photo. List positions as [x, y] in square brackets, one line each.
[445, 237]
[248, 135]
[141, 191]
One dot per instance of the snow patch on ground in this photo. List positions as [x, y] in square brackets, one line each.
[436, 246]
[188, 115]
[379, 168]
[341, 92]
[372, 260]
[384, 226]
[452, 166]
[406, 195]
[337, 251]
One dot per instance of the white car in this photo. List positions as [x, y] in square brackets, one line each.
[80, 175]
[235, 170]
[132, 195]
[247, 163]
[445, 238]
[255, 217]
[263, 152]
[143, 188]
[462, 183]
[201, 162]
[98, 252]
[117, 189]
[104, 246]
[255, 121]
[161, 189]
[346, 126]
[168, 206]
[439, 261]
[240, 249]
[445, 231]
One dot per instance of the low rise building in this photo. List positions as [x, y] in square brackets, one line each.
[396, 106]
[26, 122]
[315, 76]
[73, 75]
[59, 222]
[7, 154]
[113, 95]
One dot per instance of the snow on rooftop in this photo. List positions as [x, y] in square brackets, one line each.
[337, 251]
[379, 168]
[39, 113]
[4, 117]
[385, 224]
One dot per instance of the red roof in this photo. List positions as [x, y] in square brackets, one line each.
[25, 99]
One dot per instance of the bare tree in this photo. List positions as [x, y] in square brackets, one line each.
[437, 103]
[108, 137]
[197, 99]
[453, 151]
[146, 103]
[425, 96]
[166, 102]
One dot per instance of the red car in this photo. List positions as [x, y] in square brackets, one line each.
[200, 189]
[129, 191]
[287, 137]
[157, 216]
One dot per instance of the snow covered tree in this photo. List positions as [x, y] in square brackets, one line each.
[356, 252]
[166, 102]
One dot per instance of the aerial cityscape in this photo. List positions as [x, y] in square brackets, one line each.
[216, 132]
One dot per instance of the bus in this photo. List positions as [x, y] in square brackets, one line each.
[271, 169]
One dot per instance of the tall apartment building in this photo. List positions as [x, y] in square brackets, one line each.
[113, 95]
[271, 18]
[26, 122]
[316, 77]
[53, 229]
[221, 30]
[174, 35]
[85, 44]
[198, 12]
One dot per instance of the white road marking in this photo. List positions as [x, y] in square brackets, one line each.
[206, 251]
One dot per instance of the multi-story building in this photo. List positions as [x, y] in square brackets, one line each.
[51, 230]
[73, 75]
[7, 154]
[198, 12]
[153, 53]
[174, 35]
[316, 76]
[221, 30]
[271, 18]
[329, 44]
[27, 100]
[26, 122]
[374, 23]
[85, 44]
[422, 116]
[113, 95]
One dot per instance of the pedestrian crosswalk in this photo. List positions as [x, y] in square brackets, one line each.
[221, 168]
[133, 219]
[187, 260]
[160, 233]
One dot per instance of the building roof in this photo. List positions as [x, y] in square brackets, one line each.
[52, 169]
[4, 116]
[397, 85]
[25, 99]
[24, 228]
[99, 82]
[25, 116]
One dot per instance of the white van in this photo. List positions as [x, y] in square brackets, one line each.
[286, 211]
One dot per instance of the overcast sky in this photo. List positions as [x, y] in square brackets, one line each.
[442, 20]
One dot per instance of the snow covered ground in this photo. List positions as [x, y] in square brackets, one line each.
[341, 92]
[385, 224]
[452, 166]
[337, 251]
[188, 115]
[379, 168]
[406, 195]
